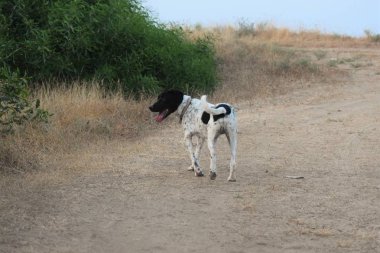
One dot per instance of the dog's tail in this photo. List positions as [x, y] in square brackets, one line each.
[213, 111]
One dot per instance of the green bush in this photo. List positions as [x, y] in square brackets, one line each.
[15, 105]
[113, 41]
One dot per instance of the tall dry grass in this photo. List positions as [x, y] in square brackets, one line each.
[268, 33]
[257, 62]
[82, 114]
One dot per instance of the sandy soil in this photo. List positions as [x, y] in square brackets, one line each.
[123, 196]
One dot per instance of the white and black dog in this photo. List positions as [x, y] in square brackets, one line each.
[203, 120]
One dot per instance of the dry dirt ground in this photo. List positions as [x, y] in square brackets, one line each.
[136, 196]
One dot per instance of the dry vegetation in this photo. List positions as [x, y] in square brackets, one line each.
[81, 114]
[262, 61]
[267, 33]
[253, 62]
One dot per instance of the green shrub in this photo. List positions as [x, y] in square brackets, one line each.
[114, 41]
[15, 106]
[320, 54]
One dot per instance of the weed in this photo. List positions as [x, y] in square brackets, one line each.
[333, 63]
[245, 28]
[320, 54]
[356, 65]
[372, 37]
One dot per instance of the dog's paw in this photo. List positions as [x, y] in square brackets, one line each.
[191, 168]
[212, 175]
[230, 179]
[199, 173]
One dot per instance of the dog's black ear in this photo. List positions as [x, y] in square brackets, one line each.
[176, 96]
[176, 93]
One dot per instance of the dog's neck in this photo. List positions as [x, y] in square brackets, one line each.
[182, 108]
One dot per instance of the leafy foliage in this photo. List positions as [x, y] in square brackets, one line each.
[114, 41]
[15, 106]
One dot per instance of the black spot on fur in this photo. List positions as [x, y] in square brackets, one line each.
[206, 116]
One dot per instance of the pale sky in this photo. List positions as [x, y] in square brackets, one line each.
[347, 17]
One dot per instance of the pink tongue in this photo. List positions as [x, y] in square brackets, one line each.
[159, 117]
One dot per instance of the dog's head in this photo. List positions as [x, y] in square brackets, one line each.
[167, 103]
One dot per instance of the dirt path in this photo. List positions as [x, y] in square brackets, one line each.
[140, 198]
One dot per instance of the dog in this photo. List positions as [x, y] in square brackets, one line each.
[203, 120]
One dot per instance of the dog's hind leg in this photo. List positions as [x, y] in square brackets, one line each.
[193, 156]
[232, 140]
[198, 148]
[211, 141]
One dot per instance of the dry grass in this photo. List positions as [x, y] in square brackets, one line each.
[81, 114]
[263, 60]
[268, 33]
[261, 64]
[88, 110]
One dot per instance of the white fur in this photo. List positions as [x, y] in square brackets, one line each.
[213, 111]
[193, 126]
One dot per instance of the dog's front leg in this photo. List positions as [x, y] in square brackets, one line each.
[194, 159]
